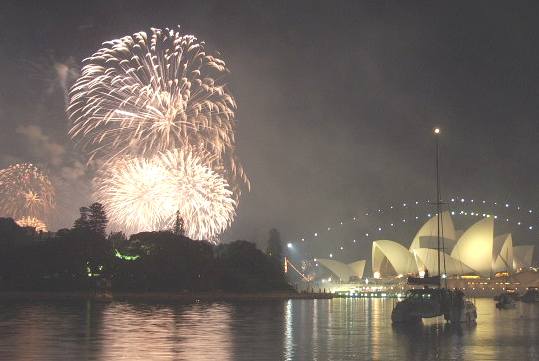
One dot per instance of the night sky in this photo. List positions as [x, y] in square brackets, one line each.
[336, 99]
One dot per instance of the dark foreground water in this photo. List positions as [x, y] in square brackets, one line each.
[340, 329]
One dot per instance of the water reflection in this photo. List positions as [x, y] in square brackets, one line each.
[142, 332]
[340, 329]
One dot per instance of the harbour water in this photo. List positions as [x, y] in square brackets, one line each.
[338, 329]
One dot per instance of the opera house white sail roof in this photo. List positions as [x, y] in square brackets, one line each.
[474, 251]
[344, 271]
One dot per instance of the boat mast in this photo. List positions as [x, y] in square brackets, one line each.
[439, 216]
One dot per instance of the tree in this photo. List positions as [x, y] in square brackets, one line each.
[97, 219]
[81, 223]
[275, 248]
[179, 226]
[117, 239]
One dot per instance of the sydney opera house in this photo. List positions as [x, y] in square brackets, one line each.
[475, 251]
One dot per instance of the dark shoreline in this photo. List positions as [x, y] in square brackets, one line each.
[160, 296]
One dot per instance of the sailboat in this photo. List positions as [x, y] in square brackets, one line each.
[434, 299]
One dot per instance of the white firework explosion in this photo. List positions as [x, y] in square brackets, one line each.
[144, 194]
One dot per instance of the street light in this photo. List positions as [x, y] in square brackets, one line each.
[437, 130]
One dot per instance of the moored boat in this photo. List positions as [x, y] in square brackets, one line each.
[505, 302]
[438, 300]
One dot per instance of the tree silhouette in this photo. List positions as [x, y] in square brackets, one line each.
[179, 226]
[275, 248]
[97, 219]
[82, 223]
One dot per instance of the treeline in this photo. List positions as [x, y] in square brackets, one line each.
[84, 258]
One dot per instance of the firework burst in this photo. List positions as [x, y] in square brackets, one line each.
[145, 194]
[32, 222]
[149, 93]
[25, 191]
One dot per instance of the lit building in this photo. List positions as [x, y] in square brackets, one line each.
[344, 272]
[474, 251]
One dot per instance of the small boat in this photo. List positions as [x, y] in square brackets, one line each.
[531, 295]
[509, 292]
[434, 299]
[506, 302]
[433, 302]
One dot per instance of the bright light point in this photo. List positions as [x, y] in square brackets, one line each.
[421, 274]
[376, 275]
[314, 259]
[366, 234]
[436, 130]
[289, 245]
[506, 205]
[331, 255]
[354, 241]
[462, 200]
[444, 275]
[530, 227]
[518, 223]
[316, 234]
[379, 228]
[342, 248]
[452, 213]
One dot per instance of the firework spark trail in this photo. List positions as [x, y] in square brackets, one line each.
[33, 222]
[25, 191]
[148, 93]
[144, 194]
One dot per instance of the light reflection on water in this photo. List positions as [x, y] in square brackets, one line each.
[340, 329]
